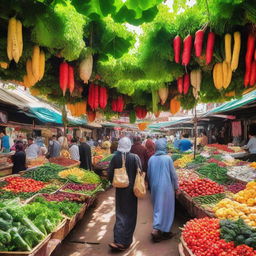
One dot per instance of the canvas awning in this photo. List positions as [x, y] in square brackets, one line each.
[35, 108]
[234, 104]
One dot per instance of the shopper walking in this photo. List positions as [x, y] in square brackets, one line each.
[74, 150]
[85, 155]
[150, 147]
[141, 151]
[126, 201]
[163, 183]
[19, 159]
[54, 147]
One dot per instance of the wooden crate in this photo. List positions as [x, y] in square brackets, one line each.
[71, 222]
[82, 211]
[193, 209]
[186, 250]
[60, 231]
[35, 251]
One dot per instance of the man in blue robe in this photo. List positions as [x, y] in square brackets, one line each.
[163, 183]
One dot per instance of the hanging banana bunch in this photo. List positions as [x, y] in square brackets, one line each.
[14, 40]
[35, 67]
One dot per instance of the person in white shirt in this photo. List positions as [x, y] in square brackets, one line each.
[33, 150]
[74, 150]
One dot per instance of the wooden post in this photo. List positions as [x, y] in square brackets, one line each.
[195, 133]
[64, 119]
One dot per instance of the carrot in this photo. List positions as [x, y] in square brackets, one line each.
[248, 59]
[198, 43]
[210, 47]
[186, 55]
[186, 83]
[253, 73]
[63, 76]
[177, 48]
[180, 84]
[71, 82]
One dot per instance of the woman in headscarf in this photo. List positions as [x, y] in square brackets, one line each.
[126, 201]
[163, 183]
[150, 146]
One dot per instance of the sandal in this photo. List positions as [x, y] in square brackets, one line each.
[156, 237]
[118, 247]
[167, 235]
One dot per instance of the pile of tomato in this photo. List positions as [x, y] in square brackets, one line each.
[201, 187]
[221, 147]
[203, 239]
[19, 185]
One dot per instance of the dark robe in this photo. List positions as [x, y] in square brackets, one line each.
[141, 151]
[19, 162]
[85, 156]
[126, 201]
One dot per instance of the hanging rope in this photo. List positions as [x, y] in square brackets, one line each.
[208, 11]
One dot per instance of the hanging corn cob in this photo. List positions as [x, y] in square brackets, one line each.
[236, 51]
[14, 40]
[218, 76]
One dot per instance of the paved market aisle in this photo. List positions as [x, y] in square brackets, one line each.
[92, 234]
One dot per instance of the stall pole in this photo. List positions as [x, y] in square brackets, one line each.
[64, 119]
[195, 133]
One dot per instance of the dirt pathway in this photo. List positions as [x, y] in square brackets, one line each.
[92, 234]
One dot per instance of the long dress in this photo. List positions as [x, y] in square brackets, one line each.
[85, 156]
[126, 201]
[163, 183]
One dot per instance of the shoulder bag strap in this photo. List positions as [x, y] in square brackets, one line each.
[123, 160]
[138, 165]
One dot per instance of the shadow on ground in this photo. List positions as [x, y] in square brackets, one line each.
[91, 235]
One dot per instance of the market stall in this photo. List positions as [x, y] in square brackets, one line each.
[219, 191]
[43, 205]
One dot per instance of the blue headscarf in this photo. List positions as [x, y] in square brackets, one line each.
[161, 146]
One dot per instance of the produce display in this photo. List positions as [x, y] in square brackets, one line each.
[229, 209]
[86, 189]
[44, 173]
[20, 184]
[238, 232]
[235, 187]
[63, 161]
[23, 227]
[214, 172]
[204, 237]
[210, 199]
[221, 147]
[80, 176]
[248, 195]
[64, 196]
[242, 173]
[36, 161]
[68, 208]
[183, 161]
[186, 174]
[216, 161]
[201, 187]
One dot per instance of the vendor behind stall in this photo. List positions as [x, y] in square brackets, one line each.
[5, 142]
[33, 150]
[19, 158]
[251, 145]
